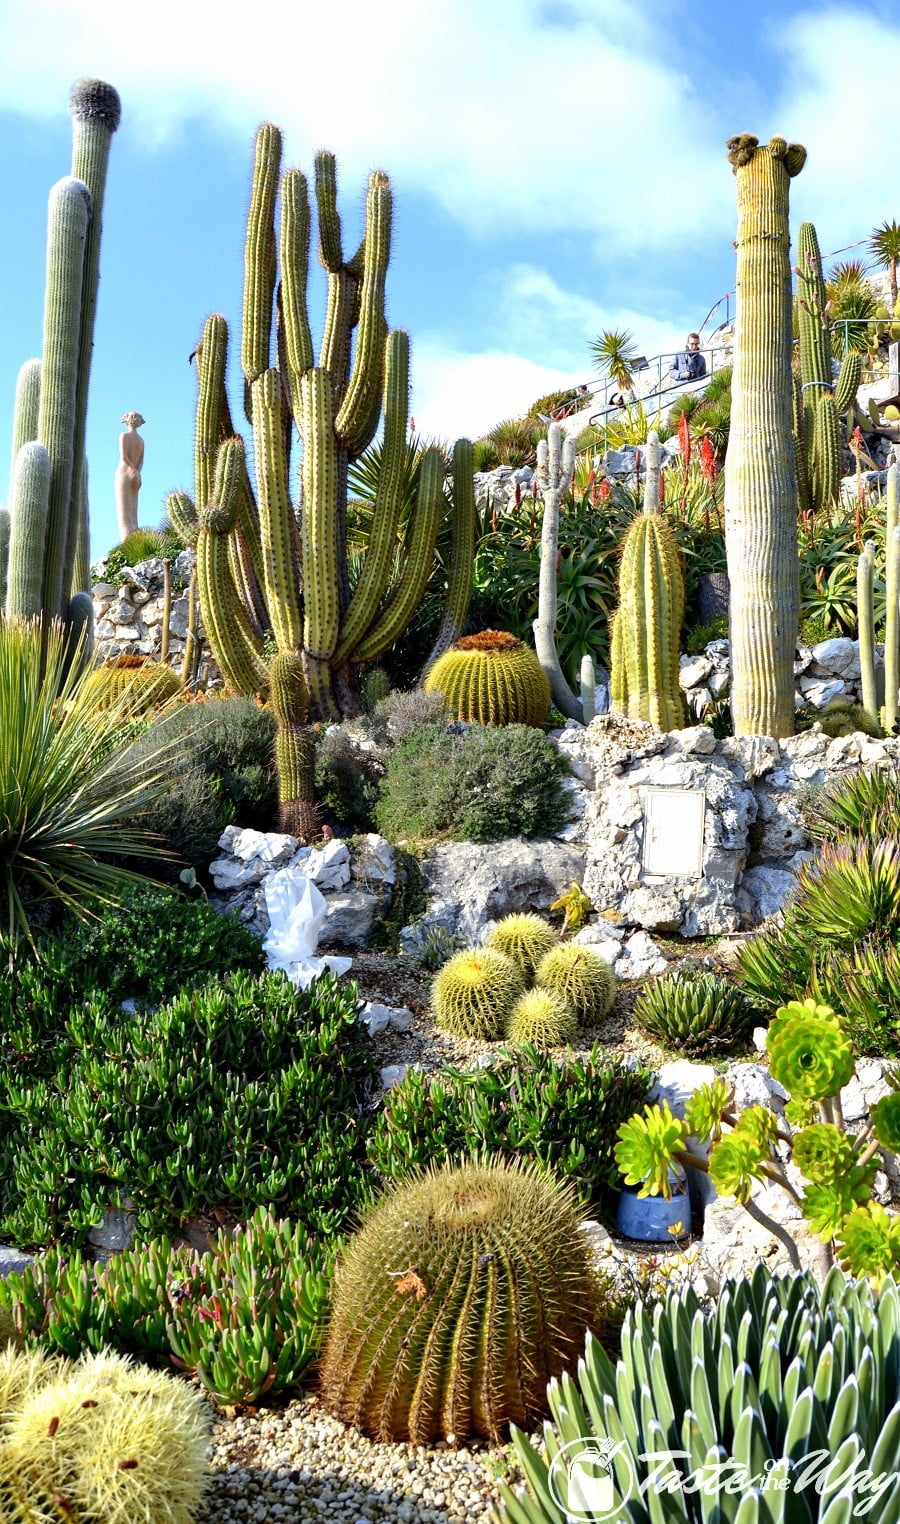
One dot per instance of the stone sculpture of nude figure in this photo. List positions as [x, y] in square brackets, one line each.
[128, 474]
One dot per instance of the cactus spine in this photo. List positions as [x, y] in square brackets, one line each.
[491, 679]
[761, 479]
[647, 625]
[52, 394]
[264, 570]
[555, 464]
[821, 400]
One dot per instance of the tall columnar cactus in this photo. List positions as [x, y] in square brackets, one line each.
[819, 399]
[646, 631]
[865, 581]
[760, 476]
[51, 397]
[555, 464]
[268, 573]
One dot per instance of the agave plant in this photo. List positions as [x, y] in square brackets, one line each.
[70, 797]
[778, 1405]
[864, 804]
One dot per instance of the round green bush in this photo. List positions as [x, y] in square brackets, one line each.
[581, 977]
[474, 993]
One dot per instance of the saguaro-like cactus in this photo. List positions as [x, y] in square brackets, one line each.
[647, 624]
[819, 399]
[555, 463]
[48, 492]
[760, 476]
[270, 572]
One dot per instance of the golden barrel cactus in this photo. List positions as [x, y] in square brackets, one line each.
[492, 679]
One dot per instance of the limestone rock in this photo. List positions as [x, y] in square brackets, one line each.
[469, 884]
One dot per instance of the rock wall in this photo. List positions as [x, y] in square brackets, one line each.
[128, 613]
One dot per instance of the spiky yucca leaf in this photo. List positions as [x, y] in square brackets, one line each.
[864, 804]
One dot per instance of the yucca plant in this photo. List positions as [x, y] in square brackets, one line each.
[779, 1404]
[864, 804]
[696, 1013]
[615, 353]
[69, 796]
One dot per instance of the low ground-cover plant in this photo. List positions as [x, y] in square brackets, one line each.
[238, 1094]
[481, 785]
[152, 946]
[247, 1316]
[811, 1056]
[717, 1413]
[528, 1106]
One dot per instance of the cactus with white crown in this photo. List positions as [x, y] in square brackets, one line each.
[48, 480]
[270, 574]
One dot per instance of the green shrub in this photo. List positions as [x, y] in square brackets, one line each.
[247, 1317]
[152, 947]
[239, 1094]
[222, 773]
[347, 780]
[141, 545]
[481, 785]
[693, 1012]
[528, 1106]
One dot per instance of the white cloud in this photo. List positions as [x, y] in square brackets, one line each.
[520, 114]
[458, 395]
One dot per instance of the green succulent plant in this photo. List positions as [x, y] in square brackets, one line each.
[543, 1019]
[869, 1242]
[821, 1151]
[474, 993]
[140, 684]
[463, 1294]
[860, 804]
[694, 1013]
[581, 977]
[809, 1050]
[885, 1119]
[491, 679]
[783, 1378]
[524, 937]
[648, 1147]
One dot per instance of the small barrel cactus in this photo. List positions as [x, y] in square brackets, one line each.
[524, 938]
[134, 680]
[492, 679]
[695, 1014]
[474, 993]
[543, 1019]
[581, 977]
[463, 1293]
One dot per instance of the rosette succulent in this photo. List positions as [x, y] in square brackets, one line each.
[825, 1206]
[810, 1053]
[869, 1242]
[704, 1111]
[647, 1148]
[885, 1117]
[737, 1160]
[822, 1152]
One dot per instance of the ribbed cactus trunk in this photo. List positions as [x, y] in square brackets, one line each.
[760, 476]
[819, 400]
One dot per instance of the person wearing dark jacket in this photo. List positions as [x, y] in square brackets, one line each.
[689, 364]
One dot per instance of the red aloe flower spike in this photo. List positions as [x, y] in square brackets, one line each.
[604, 490]
[518, 493]
[708, 460]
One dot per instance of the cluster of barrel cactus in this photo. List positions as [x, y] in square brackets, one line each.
[811, 1055]
[782, 1404]
[462, 1295]
[98, 1439]
[270, 574]
[47, 572]
[523, 984]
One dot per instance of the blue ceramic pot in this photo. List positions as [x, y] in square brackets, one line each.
[649, 1218]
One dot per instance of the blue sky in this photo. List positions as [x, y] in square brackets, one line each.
[558, 168]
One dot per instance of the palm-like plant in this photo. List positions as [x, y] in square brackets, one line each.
[884, 247]
[70, 797]
[615, 353]
[852, 304]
